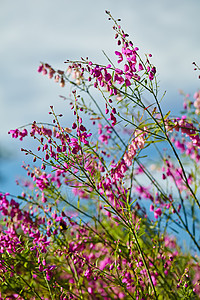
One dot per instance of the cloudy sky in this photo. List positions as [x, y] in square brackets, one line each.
[53, 31]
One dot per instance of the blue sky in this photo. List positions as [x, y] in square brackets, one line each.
[53, 31]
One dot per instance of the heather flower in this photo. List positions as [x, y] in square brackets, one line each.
[54, 244]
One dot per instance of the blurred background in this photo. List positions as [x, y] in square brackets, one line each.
[53, 31]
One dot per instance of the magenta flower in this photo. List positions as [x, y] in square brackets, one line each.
[120, 56]
[157, 213]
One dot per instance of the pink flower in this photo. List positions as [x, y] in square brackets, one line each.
[127, 82]
[157, 212]
[90, 291]
[140, 67]
[127, 159]
[119, 56]
[151, 207]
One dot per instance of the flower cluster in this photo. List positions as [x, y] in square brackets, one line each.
[138, 142]
[197, 102]
[83, 227]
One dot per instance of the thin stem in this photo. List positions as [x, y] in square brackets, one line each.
[144, 261]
